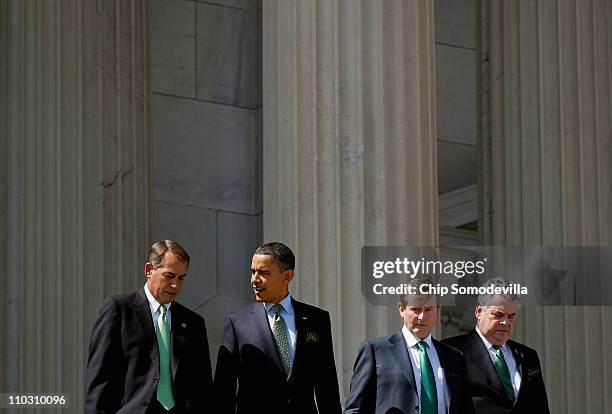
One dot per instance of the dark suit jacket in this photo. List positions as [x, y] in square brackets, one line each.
[249, 377]
[123, 366]
[383, 379]
[486, 388]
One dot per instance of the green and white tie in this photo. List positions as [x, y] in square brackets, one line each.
[165, 395]
[503, 373]
[279, 330]
[429, 396]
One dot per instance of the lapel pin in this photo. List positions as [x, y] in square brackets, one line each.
[305, 318]
[183, 325]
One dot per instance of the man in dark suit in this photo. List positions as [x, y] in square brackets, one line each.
[504, 376]
[148, 353]
[409, 372]
[276, 355]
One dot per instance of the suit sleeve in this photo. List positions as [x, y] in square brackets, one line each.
[201, 384]
[326, 387]
[362, 397]
[104, 374]
[226, 371]
[540, 388]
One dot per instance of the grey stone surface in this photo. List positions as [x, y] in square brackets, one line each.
[455, 22]
[195, 229]
[456, 94]
[259, 196]
[457, 166]
[204, 154]
[237, 239]
[227, 55]
[213, 313]
[173, 51]
[242, 4]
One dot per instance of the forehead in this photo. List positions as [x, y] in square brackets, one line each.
[421, 300]
[503, 307]
[263, 260]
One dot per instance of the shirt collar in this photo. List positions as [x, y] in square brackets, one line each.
[488, 344]
[286, 303]
[412, 340]
[153, 303]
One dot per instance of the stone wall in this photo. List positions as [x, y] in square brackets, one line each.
[206, 81]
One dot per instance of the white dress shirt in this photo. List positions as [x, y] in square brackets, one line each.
[515, 375]
[155, 312]
[411, 343]
[289, 317]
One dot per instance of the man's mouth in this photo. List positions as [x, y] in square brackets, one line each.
[257, 290]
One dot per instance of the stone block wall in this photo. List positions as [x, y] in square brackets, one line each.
[206, 120]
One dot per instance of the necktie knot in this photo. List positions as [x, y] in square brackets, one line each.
[277, 309]
[162, 310]
[422, 345]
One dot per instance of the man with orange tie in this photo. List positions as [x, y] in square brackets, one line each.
[410, 372]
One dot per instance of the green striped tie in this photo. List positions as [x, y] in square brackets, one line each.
[165, 394]
[279, 330]
[429, 396]
[502, 371]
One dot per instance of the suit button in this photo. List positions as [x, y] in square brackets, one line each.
[144, 403]
[156, 380]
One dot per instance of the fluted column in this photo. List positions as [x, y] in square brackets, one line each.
[548, 167]
[349, 147]
[74, 180]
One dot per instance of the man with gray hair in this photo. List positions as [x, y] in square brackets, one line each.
[504, 376]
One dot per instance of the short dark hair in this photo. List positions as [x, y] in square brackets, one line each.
[283, 256]
[158, 251]
[417, 282]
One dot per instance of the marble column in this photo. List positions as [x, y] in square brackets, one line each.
[349, 147]
[74, 180]
[547, 168]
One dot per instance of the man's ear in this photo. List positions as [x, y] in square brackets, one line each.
[148, 269]
[478, 311]
[289, 274]
[401, 309]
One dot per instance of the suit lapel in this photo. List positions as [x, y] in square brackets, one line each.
[448, 368]
[519, 358]
[483, 360]
[262, 328]
[400, 351]
[143, 314]
[302, 322]
[179, 336]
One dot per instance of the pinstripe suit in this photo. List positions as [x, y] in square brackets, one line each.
[383, 379]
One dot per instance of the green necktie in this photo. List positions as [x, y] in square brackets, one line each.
[429, 397]
[165, 394]
[503, 373]
[279, 330]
